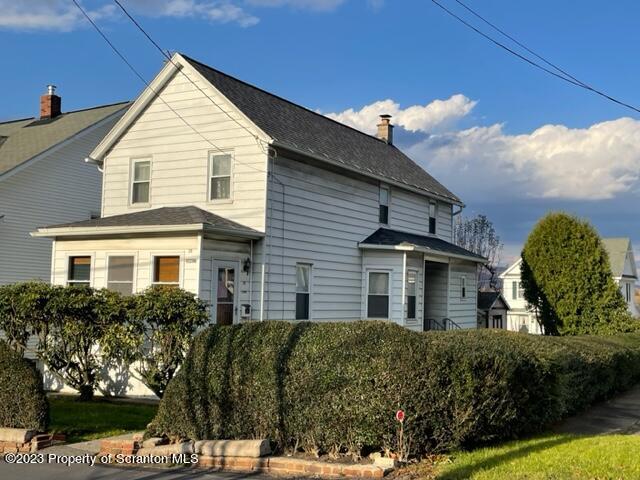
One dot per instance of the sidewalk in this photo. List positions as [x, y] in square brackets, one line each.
[620, 414]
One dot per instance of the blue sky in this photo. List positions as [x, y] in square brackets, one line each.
[513, 142]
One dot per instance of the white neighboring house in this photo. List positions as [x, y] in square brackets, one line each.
[623, 268]
[44, 179]
[267, 210]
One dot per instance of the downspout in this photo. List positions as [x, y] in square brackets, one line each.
[404, 285]
[251, 280]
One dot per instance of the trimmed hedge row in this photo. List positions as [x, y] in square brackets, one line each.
[23, 403]
[334, 387]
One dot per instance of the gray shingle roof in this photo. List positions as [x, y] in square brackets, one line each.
[302, 129]
[26, 138]
[388, 237]
[164, 216]
[487, 299]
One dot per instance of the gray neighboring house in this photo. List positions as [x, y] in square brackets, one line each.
[44, 179]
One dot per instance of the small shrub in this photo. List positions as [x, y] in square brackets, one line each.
[23, 403]
[159, 330]
[334, 387]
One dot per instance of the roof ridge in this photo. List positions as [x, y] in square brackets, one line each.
[373, 137]
[17, 120]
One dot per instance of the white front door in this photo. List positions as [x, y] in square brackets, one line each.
[224, 292]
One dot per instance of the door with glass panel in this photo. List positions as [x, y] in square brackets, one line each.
[224, 284]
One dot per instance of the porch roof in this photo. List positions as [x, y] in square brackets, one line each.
[164, 219]
[486, 300]
[385, 238]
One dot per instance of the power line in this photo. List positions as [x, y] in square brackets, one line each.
[168, 57]
[148, 85]
[569, 79]
[514, 40]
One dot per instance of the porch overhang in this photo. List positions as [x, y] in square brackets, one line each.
[165, 220]
[394, 240]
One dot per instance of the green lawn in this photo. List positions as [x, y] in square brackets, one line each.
[556, 457]
[82, 421]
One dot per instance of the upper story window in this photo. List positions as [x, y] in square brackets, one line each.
[628, 292]
[140, 181]
[166, 270]
[220, 166]
[383, 215]
[463, 287]
[516, 290]
[79, 271]
[433, 215]
[303, 290]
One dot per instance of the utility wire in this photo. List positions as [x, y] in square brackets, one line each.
[168, 57]
[568, 79]
[520, 44]
[148, 85]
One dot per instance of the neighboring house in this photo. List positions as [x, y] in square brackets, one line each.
[44, 179]
[623, 268]
[492, 310]
[266, 210]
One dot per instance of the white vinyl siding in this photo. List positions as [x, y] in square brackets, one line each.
[180, 156]
[59, 188]
[462, 309]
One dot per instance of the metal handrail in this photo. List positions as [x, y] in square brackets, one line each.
[454, 325]
[433, 324]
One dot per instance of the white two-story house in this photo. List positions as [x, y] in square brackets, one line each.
[623, 268]
[268, 211]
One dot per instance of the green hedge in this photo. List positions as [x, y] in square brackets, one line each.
[23, 403]
[335, 387]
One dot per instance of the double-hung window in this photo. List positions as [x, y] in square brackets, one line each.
[433, 210]
[220, 176]
[140, 181]
[166, 270]
[411, 294]
[120, 274]
[463, 287]
[303, 290]
[383, 213]
[628, 292]
[79, 272]
[378, 295]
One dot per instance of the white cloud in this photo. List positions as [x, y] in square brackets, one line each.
[416, 118]
[59, 15]
[222, 11]
[555, 162]
[318, 5]
[64, 16]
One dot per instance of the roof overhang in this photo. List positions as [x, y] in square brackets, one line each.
[142, 230]
[327, 160]
[405, 247]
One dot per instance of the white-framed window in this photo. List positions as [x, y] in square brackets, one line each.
[79, 270]
[220, 173]
[140, 181]
[517, 291]
[383, 212]
[378, 294]
[463, 287]
[166, 270]
[628, 292]
[433, 215]
[411, 293]
[303, 291]
[120, 270]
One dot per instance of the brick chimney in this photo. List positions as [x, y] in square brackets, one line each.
[385, 129]
[50, 104]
